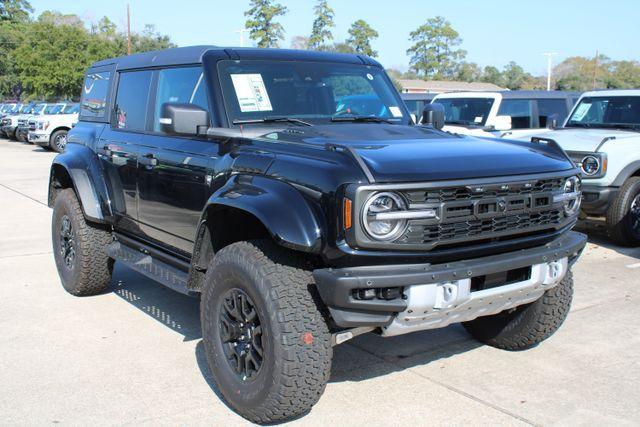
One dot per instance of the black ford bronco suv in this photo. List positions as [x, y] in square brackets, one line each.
[292, 192]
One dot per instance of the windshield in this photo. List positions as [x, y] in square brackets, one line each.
[309, 91]
[466, 111]
[53, 109]
[71, 109]
[38, 109]
[26, 109]
[607, 112]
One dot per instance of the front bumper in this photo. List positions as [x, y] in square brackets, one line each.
[435, 295]
[596, 199]
[38, 138]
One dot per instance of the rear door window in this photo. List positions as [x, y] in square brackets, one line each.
[132, 100]
[94, 95]
[550, 107]
[182, 85]
[520, 111]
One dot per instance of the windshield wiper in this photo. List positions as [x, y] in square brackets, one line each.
[272, 120]
[361, 119]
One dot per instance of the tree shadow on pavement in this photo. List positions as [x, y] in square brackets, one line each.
[596, 231]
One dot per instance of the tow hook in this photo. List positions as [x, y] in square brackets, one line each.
[343, 336]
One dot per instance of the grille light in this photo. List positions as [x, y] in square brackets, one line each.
[571, 196]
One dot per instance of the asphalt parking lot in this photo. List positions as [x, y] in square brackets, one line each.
[134, 355]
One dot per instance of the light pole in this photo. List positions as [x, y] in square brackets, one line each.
[241, 31]
[549, 56]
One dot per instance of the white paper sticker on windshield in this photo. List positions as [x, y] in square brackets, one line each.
[251, 92]
[478, 119]
[395, 111]
[581, 111]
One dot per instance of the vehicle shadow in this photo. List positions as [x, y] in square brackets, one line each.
[364, 357]
[596, 232]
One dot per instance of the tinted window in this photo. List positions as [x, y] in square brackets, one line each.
[519, 110]
[131, 100]
[94, 95]
[466, 111]
[184, 85]
[548, 107]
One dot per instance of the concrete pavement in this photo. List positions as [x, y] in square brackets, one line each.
[134, 355]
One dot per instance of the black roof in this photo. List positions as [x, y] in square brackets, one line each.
[194, 55]
[539, 94]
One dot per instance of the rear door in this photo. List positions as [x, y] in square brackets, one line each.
[119, 144]
[173, 185]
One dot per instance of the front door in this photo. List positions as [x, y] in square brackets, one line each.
[173, 182]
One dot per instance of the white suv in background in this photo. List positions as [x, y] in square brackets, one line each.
[504, 114]
[602, 136]
[50, 131]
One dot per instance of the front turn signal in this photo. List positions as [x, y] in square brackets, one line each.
[347, 214]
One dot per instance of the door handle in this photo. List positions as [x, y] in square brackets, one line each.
[148, 160]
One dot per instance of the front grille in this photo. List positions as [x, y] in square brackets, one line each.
[32, 125]
[22, 122]
[463, 230]
[483, 212]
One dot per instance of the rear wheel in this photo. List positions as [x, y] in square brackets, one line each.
[528, 325]
[58, 140]
[623, 216]
[79, 248]
[266, 341]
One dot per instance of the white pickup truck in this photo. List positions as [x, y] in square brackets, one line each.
[50, 131]
[504, 114]
[602, 136]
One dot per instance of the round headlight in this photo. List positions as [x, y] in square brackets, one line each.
[590, 165]
[380, 226]
[572, 187]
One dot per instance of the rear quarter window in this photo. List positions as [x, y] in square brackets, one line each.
[95, 91]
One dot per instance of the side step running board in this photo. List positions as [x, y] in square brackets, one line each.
[140, 261]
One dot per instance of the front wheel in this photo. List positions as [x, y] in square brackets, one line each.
[528, 325]
[58, 140]
[266, 341]
[623, 216]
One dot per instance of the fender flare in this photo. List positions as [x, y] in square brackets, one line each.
[626, 173]
[280, 207]
[83, 168]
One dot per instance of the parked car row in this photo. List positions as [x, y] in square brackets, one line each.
[45, 124]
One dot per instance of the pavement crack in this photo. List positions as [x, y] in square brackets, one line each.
[448, 387]
[24, 195]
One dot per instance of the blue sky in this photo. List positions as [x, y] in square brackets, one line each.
[493, 32]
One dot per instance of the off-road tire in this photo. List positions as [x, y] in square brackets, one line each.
[20, 138]
[619, 218]
[52, 140]
[296, 340]
[90, 272]
[528, 325]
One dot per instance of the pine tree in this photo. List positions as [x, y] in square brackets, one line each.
[322, 24]
[260, 22]
[360, 36]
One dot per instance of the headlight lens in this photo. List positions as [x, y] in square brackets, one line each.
[572, 195]
[590, 165]
[383, 229]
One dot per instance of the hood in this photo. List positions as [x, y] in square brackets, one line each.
[397, 153]
[580, 139]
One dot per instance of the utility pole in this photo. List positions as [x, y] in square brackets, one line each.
[595, 69]
[128, 31]
[549, 56]
[241, 31]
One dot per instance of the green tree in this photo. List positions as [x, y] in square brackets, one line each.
[322, 24]
[360, 36]
[338, 47]
[11, 35]
[57, 18]
[514, 76]
[261, 25]
[15, 10]
[435, 52]
[491, 74]
[468, 72]
[624, 75]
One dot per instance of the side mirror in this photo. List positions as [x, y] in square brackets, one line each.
[502, 123]
[552, 121]
[183, 119]
[433, 115]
